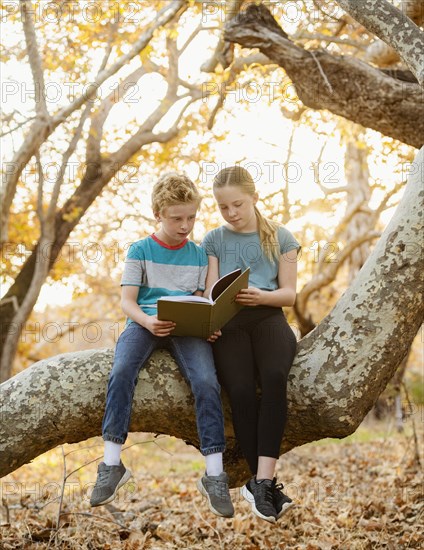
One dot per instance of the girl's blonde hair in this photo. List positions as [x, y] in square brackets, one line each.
[240, 177]
[171, 189]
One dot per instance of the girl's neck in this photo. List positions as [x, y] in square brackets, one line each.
[243, 230]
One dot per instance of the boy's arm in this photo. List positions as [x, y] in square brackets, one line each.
[132, 310]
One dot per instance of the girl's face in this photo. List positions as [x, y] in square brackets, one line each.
[237, 208]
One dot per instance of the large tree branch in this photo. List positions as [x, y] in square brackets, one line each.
[44, 250]
[393, 27]
[340, 368]
[345, 86]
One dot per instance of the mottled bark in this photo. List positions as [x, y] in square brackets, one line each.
[343, 85]
[340, 369]
[393, 27]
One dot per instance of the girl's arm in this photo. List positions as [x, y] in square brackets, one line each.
[132, 310]
[211, 278]
[213, 274]
[285, 295]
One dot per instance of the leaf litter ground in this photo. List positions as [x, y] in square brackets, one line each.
[364, 492]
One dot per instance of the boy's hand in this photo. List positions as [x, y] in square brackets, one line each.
[250, 296]
[159, 328]
[214, 336]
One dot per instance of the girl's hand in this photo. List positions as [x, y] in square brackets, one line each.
[159, 328]
[214, 336]
[250, 296]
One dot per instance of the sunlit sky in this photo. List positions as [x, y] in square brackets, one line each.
[258, 134]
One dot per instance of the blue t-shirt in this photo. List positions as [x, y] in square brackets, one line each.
[241, 250]
[162, 270]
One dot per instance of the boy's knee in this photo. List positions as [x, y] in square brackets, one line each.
[205, 383]
[121, 372]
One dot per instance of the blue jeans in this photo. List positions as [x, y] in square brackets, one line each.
[195, 360]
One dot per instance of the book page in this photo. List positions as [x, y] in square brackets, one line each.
[222, 283]
[189, 298]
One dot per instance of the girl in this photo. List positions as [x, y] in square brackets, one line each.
[257, 342]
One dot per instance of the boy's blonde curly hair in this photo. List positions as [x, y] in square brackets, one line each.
[173, 188]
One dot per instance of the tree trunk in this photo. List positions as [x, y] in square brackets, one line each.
[357, 191]
[344, 85]
[340, 369]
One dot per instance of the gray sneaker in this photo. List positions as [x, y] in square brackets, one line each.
[215, 489]
[109, 480]
[261, 499]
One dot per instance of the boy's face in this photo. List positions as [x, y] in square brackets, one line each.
[177, 222]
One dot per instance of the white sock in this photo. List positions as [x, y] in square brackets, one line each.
[112, 453]
[214, 465]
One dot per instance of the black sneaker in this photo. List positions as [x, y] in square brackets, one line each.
[109, 480]
[281, 501]
[216, 490]
[260, 496]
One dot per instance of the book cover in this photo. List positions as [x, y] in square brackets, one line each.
[200, 317]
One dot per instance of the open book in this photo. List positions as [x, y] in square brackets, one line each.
[199, 316]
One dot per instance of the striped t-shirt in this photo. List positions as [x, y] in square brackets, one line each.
[163, 270]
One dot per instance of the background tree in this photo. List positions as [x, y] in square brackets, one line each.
[130, 57]
[393, 263]
[100, 163]
[340, 369]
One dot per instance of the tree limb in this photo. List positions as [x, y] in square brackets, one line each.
[340, 368]
[351, 88]
[393, 27]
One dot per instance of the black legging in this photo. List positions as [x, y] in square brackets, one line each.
[257, 343]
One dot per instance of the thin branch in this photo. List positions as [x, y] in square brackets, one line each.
[317, 4]
[239, 64]
[62, 492]
[3, 134]
[324, 76]
[223, 53]
[303, 35]
[67, 155]
[39, 209]
[190, 39]
[166, 14]
[34, 59]
[285, 189]
[112, 31]
[329, 272]
[417, 458]
[383, 204]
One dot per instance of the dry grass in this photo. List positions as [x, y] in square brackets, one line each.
[363, 493]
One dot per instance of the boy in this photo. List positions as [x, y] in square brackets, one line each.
[163, 264]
